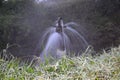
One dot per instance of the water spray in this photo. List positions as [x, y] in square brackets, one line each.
[61, 38]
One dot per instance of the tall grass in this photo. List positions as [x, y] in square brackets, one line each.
[85, 67]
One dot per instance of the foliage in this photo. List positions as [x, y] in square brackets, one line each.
[103, 67]
[12, 28]
[108, 7]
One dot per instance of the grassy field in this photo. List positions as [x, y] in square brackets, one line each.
[85, 67]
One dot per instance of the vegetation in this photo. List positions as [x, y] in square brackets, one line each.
[85, 67]
[23, 21]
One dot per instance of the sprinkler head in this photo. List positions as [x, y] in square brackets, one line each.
[59, 25]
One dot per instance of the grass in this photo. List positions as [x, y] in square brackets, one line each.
[85, 67]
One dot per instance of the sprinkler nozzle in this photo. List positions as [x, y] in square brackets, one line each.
[59, 24]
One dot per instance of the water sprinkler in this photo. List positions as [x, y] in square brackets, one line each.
[59, 25]
[61, 38]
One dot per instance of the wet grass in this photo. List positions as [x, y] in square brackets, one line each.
[85, 67]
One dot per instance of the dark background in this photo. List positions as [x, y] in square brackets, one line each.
[22, 22]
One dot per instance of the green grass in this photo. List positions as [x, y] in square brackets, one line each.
[85, 67]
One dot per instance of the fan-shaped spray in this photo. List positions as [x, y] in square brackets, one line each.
[61, 39]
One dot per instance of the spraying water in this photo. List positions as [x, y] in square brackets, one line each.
[60, 40]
